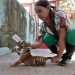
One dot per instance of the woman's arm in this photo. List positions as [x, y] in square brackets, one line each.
[61, 42]
[62, 36]
[37, 44]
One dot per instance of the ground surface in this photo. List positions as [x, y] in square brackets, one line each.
[49, 69]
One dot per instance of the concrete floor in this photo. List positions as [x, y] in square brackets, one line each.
[49, 69]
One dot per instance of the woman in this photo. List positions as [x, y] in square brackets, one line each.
[55, 22]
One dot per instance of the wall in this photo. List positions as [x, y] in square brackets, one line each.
[15, 20]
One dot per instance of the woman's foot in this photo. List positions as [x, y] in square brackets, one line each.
[63, 63]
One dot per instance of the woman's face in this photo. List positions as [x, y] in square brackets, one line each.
[42, 12]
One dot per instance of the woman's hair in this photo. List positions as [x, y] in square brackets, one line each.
[43, 3]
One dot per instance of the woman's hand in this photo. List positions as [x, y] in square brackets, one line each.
[56, 59]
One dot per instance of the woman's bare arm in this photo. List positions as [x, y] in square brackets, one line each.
[61, 43]
[62, 36]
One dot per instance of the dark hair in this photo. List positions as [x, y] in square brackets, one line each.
[43, 3]
[52, 26]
